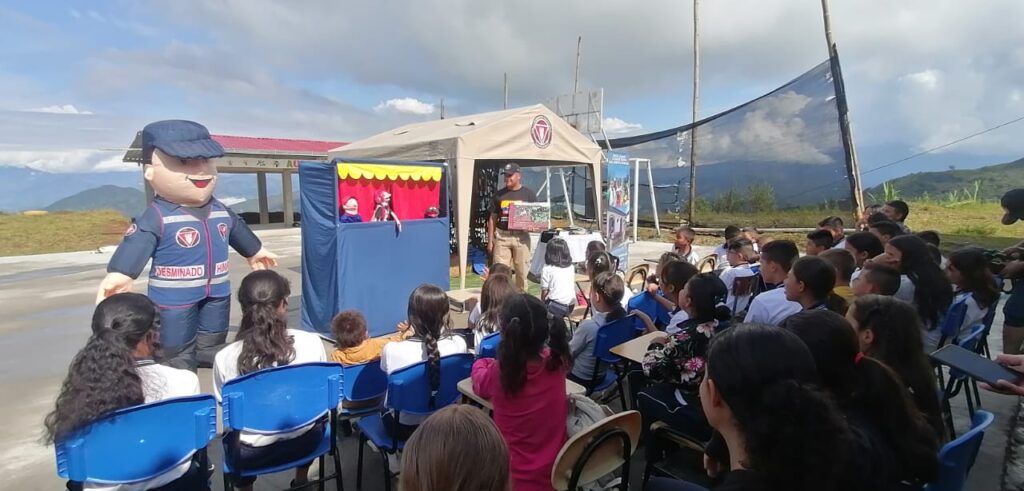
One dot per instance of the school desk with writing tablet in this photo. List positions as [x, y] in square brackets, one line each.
[466, 388]
[635, 349]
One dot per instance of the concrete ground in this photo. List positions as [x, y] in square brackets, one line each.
[46, 306]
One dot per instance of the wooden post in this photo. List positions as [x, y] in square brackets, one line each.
[852, 166]
[696, 102]
[286, 195]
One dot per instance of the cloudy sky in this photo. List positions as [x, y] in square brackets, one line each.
[77, 78]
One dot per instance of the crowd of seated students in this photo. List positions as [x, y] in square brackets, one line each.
[830, 359]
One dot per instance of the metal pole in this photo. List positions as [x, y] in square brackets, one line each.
[636, 198]
[442, 108]
[696, 102]
[568, 201]
[852, 166]
[654, 201]
[505, 106]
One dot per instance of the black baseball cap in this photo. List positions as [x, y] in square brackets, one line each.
[510, 168]
[180, 139]
[1013, 203]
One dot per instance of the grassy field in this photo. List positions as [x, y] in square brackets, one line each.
[959, 225]
[59, 232]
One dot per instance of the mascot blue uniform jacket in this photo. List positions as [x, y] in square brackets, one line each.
[188, 279]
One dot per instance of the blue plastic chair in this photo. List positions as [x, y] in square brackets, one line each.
[609, 336]
[950, 323]
[362, 383]
[409, 392]
[489, 346]
[139, 443]
[990, 317]
[279, 400]
[959, 380]
[957, 457]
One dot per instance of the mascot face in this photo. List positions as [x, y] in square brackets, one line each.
[185, 182]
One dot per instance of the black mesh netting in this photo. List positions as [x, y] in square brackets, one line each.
[781, 150]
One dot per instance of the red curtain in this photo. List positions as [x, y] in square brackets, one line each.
[409, 199]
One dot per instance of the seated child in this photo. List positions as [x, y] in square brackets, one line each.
[754, 236]
[877, 279]
[741, 258]
[684, 245]
[731, 232]
[606, 302]
[353, 344]
[558, 278]
[843, 262]
[818, 241]
[885, 230]
[488, 324]
[834, 225]
[477, 303]
[667, 302]
[350, 211]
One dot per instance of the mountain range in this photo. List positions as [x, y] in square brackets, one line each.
[992, 181]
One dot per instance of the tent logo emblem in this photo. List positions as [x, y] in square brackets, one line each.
[223, 229]
[187, 237]
[541, 131]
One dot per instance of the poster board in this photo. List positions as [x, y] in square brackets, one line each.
[618, 200]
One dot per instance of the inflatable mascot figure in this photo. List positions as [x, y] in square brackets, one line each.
[186, 232]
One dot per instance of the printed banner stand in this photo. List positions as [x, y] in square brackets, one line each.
[618, 203]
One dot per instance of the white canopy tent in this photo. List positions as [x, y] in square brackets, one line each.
[532, 136]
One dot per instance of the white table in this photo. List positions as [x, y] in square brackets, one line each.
[577, 249]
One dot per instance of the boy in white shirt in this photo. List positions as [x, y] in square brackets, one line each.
[772, 307]
[731, 232]
[834, 225]
[741, 258]
[684, 245]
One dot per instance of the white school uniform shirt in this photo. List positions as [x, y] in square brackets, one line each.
[771, 307]
[856, 274]
[690, 258]
[723, 261]
[159, 382]
[308, 349]
[906, 291]
[973, 315]
[841, 244]
[729, 277]
[677, 318]
[404, 353]
[560, 284]
[475, 315]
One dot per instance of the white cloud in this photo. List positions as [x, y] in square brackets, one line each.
[96, 16]
[75, 13]
[927, 79]
[79, 160]
[61, 109]
[406, 105]
[617, 127]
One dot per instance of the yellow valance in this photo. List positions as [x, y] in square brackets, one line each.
[351, 170]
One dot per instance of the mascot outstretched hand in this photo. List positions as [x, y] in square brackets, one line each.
[186, 232]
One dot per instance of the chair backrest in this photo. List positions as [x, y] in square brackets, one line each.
[409, 388]
[139, 442]
[950, 324]
[363, 382]
[743, 285]
[489, 345]
[280, 399]
[611, 335]
[957, 457]
[605, 454]
[708, 264]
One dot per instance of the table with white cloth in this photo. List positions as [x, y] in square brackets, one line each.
[577, 249]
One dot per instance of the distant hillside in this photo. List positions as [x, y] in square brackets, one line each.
[125, 200]
[994, 181]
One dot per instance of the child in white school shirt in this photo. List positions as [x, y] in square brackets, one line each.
[116, 370]
[772, 307]
[264, 341]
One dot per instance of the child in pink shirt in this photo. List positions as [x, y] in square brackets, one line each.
[526, 385]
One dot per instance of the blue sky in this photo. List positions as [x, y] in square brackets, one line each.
[77, 78]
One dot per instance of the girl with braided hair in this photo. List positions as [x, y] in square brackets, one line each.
[115, 370]
[264, 341]
[432, 338]
[526, 385]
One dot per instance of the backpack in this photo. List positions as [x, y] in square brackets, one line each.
[584, 412]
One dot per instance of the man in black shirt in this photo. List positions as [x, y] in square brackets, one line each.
[509, 247]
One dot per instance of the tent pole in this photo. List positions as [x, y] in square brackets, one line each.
[506, 91]
[636, 199]
[565, 192]
[696, 101]
[654, 202]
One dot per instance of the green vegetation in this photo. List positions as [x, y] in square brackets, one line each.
[59, 232]
[952, 186]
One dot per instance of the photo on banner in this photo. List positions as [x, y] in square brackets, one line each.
[617, 200]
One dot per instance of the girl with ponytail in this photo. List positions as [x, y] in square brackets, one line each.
[893, 437]
[115, 370]
[432, 338]
[264, 341]
[675, 364]
[606, 291]
[526, 384]
[781, 431]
